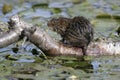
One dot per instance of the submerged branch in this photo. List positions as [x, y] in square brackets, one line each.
[49, 46]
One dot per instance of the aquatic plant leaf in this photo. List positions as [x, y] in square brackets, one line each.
[15, 49]
[118, 30]
[56, 10]
[7, 8]
[81, 65]
[10, 57]
[41, 5]
[107, 16]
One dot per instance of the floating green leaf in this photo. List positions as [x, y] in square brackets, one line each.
[41, 5]
[56, 10]
[10, 57]
[6, 8]
[103, 15]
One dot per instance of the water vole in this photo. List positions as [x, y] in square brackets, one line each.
[75, 32]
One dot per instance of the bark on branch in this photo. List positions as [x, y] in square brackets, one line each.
[48, 45]
[16, 26]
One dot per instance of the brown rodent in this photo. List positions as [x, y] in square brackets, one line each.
[75, 32]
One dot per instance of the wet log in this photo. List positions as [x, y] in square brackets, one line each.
[49, 46]
[16, 26]
[9, 37]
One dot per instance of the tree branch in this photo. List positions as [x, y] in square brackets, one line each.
[49, 46]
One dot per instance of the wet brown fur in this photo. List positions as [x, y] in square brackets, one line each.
[75, 32]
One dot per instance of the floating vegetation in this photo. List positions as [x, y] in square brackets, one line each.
[41, 5]
[56, 10]
[7, 8]
[10, 57]
[15, 49]
[60, 5]
[118, 30]
[78, 64]
[20, 64]
[77, 1]
[108, 16]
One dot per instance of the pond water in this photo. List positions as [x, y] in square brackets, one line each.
[24, 63]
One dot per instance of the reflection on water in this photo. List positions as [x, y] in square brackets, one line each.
[60, 4]
[95, 65]
[25, 60]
